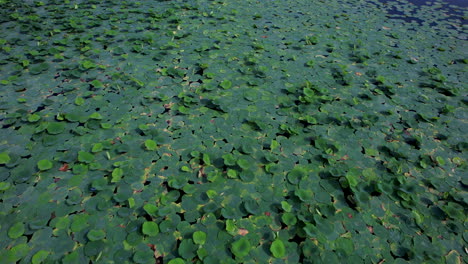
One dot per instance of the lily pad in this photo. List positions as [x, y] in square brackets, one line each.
[16, 230]
[44, 165]
[4, 158]
[241, 247]
[94, 235]
[199, 237]
[150, 228]
[151, 144]
[278, 249]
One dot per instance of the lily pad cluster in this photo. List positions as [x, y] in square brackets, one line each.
[232, 132]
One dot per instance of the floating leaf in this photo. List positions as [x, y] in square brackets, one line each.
[34, 118]
[97, 84]
[289, 219]
[199, 237]
[16, 230]
[4, 158]
[151, 209]
[176, 261]
[88, 64]
[96, 116]
[278, 249]
[286, 206]
[206, 159]
[232, 173]
[295, 175]
[97, 147]
[229, 160]
[4, 186]
[305, 195]
[144, 256]
[44, 165]
[150, 228]
[151, 144]
[94, 235]
[40, 256]
[19, 251]
[79, 223]
[244, 164]
[187, 249]
[85, 157]
[79, 101]
[117, 174]
[352, 176]
[241, 247]
[226, 84]
[55, 128]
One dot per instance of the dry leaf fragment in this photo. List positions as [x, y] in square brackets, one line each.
[242, 231]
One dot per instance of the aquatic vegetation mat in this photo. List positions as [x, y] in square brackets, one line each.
[232, 132]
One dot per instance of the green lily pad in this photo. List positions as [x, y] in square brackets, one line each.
[44, 165]
[226, 84]
[94, 235]
[19, 251]
[187, 249]
[85, 157]
[4, 186]
[16, 230]
[278, 249]
[150, 228]
[241, 247]
[4, 158]
[199, 237]
[146, 256]
[40, 256]
[244, 164]
[97, 84]
[95, 116]
[79, 101]
[55, 128]
[151, 144]
[286, 206]
[289, 219]
[34, 118]
[176, 261]
[117, 174]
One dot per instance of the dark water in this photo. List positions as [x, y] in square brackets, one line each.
[461, 3]
[454, 10]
